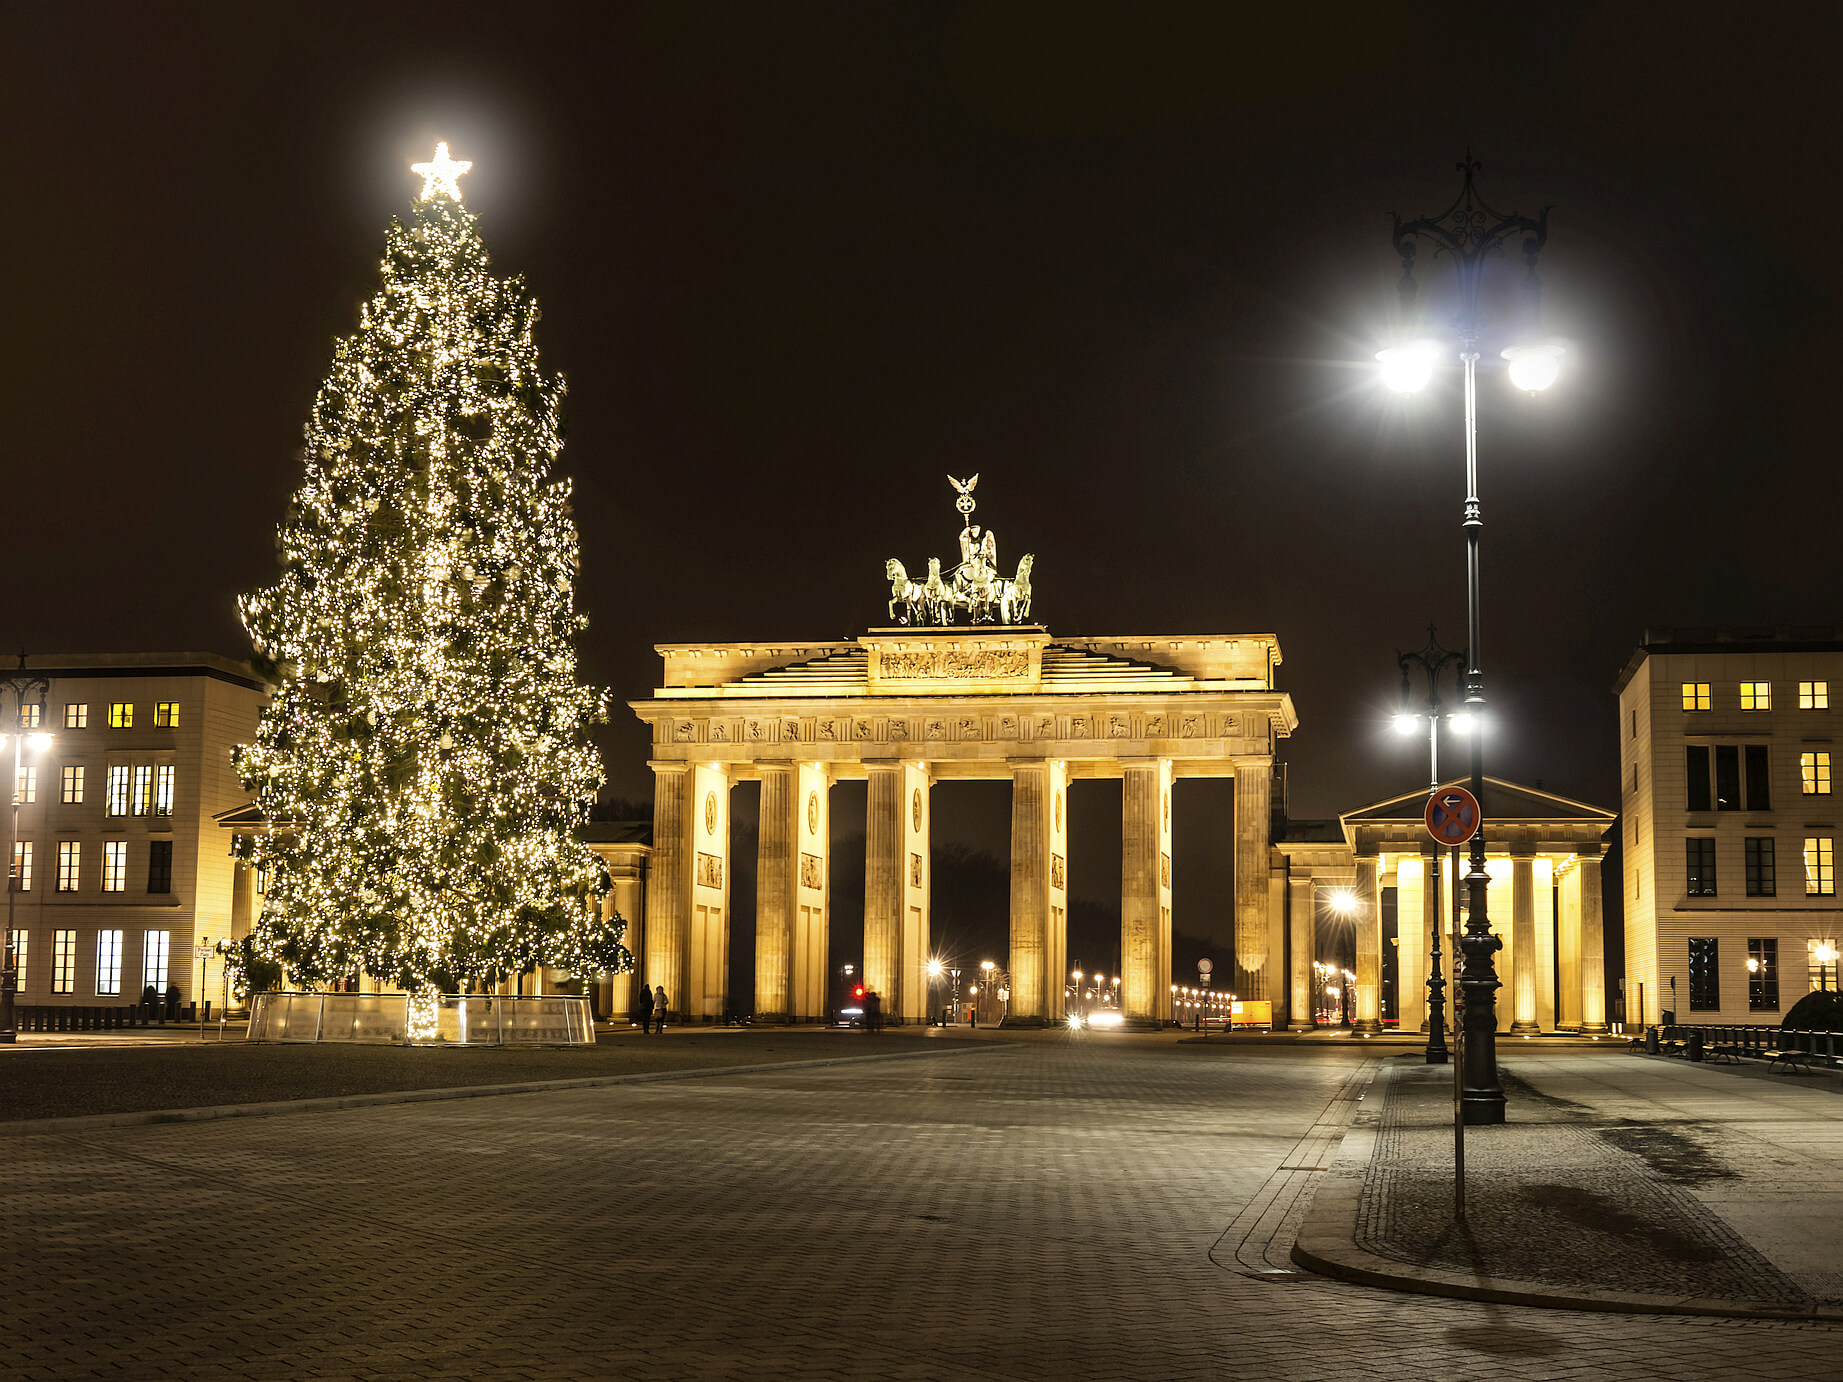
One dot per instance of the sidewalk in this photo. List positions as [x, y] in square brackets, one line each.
[1620, 1182]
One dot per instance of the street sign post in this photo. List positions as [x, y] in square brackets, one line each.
[1203, 972]
[201, 953]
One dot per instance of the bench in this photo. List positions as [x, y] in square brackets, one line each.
[1796, 1062]
[1727, 1051]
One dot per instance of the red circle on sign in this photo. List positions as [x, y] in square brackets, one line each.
[1452, 815]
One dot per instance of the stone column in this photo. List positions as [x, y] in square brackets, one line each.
[707, 955]
[1367, 1010]
[811, 981]
[627, 872]
[669, 884]
[1568, 951]
[1038, 896]
[1301, 913]
[774, 894]
[1253, 830]
[1523, 945]
[1145, 892]
[885, 859]
[1593, 947]
[911, 1003]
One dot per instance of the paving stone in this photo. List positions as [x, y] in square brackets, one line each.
[1042, 1210]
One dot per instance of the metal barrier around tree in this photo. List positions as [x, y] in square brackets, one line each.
[461, 1020]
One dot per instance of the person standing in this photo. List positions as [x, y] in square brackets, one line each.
[643, 1009]
[873, 1010]
[660, 1004]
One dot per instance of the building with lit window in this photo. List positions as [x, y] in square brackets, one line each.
[119, 870]
[1726, 745]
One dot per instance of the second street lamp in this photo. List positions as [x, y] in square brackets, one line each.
[1469, 233]
[1433, 660]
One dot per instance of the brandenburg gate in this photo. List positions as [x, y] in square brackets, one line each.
[905, 708]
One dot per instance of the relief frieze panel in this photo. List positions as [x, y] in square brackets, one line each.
[954, 664]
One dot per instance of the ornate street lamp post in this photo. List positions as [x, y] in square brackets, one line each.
[1469, 232]
[1433, 660]
[24, 685]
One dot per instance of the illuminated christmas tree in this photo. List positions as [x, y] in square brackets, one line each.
[424, 764]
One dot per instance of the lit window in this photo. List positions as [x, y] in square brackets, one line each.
[163, 790]
[63, 961]
[1814, 772]
[73, 784]
[143, 789]
[1761, 870]
[22, 943]
[1699, 865]
[121, 715]
[166, 714]
[30, 716]
[70, 864]
[1756, 695]
[1820, 867]
[115, 866]
[1695, 695]
[1814, 695]
[22, 866]
[1763, 975]
[76, 715]
[160, 866]
[28, 785]
[1704, 974]
[118, 790]
[108, 963]
[153, 960]
[262, 880]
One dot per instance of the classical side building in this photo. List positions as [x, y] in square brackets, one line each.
[119, 873]
[1726, 755]
[903, 708]
[1376, 872]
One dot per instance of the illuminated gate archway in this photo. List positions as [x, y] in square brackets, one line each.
[904, 708]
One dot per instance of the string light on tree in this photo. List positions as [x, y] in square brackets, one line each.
[424, 762]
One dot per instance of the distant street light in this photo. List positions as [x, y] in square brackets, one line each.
[1468, 233]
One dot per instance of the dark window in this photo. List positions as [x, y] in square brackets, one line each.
[1698, 770]
[1727, 777]
[160, 867]
[1760, 871]
[1763, 975]
[1704, 974]
[1699, 862]
[1759, 780]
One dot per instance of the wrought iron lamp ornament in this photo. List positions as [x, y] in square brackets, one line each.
[1433, 660]
[1468, 233]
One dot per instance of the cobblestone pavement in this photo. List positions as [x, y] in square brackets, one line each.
[1549, 1199]
[1048, 1210]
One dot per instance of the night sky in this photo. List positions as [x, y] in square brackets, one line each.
[798, 262]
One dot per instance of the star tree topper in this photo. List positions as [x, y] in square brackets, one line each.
[442, 175]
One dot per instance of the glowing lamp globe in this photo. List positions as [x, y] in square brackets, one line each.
[1533, 368]
[1406, 369]
[1464, 722]
[1405, 723]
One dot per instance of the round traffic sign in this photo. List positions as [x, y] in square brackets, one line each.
[1204, 966]
[1452, 815]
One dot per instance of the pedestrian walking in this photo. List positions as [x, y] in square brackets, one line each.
[643, 1009]
[660, 1004]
